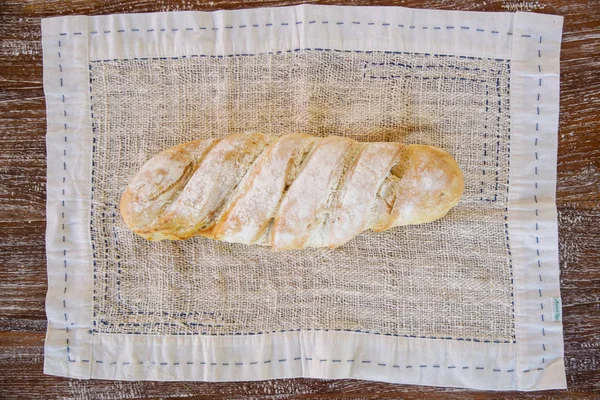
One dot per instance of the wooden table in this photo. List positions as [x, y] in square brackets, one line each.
[22, 210]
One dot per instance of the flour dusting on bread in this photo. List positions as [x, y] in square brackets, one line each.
[290, 192]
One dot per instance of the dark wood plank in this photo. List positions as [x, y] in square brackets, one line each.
[22, 210]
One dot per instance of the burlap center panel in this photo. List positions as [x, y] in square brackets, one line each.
[448, 279]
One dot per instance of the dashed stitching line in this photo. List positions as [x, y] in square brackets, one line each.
[539, 263]
[288, 330]
[106, 256]
[498, 136]
[93, 178]
[319, 360]
[295, 50]
[283, 24]
[508, 249]
[428, 78]
[485, 127]
[118, 257]
[292, 330]
[64, 180]
[270, 24]
[456, 67]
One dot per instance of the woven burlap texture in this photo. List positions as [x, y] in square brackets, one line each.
[446, 279]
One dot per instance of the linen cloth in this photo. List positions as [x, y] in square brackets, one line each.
[471, 300]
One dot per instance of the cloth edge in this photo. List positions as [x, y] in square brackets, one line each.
[532, 211]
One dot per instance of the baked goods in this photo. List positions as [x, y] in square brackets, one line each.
[288, 192]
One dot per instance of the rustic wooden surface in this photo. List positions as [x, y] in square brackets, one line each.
[22, 210]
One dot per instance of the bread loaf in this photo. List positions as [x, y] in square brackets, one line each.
[288, 192]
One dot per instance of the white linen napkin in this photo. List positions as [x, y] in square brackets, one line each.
[471, 300]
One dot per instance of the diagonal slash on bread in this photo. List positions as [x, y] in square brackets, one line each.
[290, 192]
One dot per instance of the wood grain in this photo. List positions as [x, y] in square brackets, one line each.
[22, 211]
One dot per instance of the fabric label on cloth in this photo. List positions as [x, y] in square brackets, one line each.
[447, 279]
[556, 309]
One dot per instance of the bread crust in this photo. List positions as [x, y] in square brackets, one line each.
[291, 192]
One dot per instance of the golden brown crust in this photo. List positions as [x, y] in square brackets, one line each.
[431, 184]
[157, 182]
[293, 192]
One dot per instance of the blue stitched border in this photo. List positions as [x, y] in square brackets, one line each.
[287, 24]
[194, 324]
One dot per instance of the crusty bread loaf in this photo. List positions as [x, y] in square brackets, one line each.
[290, 192]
